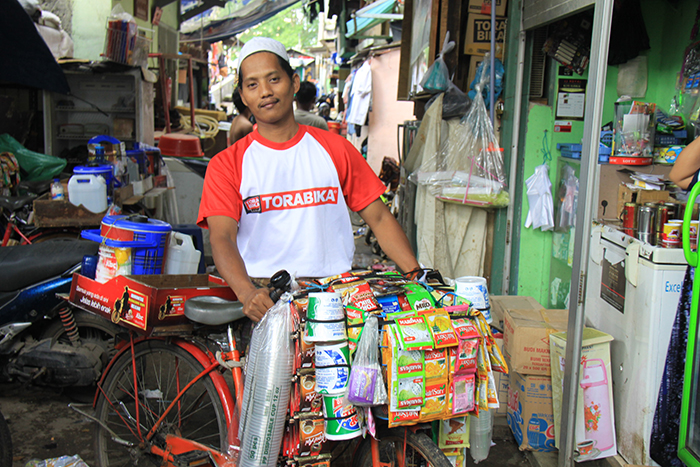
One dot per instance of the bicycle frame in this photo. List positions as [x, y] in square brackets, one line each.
[177, 445]
[12, 226]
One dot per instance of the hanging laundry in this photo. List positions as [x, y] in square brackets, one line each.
[361, 94]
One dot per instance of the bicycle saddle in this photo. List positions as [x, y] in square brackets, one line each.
[14, 203]
[213, 311]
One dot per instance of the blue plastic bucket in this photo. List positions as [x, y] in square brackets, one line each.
[147, 238]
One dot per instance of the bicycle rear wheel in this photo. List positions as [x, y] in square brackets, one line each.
[158, 371]
[419, 450]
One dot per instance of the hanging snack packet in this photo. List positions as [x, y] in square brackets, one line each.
[436, 365]
[498, 363]
[411, 391]
[463, 394]
[357, 293]
[418, 297]
[435, 401]
[454, 433]
[466, 356]
[414, 333]
[492, 393]
[465, 328]
[355, 318]
[389, 303]
[409, 362]
[482, 391]
[440, 327]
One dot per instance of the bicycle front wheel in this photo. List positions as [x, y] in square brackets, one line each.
[416, 449]
[140, 389]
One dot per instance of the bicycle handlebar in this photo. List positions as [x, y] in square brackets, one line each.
[280, 283]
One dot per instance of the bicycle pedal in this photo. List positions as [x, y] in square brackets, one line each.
[193, 459]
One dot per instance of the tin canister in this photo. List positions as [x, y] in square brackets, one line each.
[325, 306]
[646, 217]
[672, 210]
[342, 421]
[661, 218]
[332, 368]
[671, 235]
[629, 219]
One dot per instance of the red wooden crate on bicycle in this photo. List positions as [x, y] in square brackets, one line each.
[145, 303]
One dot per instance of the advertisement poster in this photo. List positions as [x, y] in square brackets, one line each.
[571, 98]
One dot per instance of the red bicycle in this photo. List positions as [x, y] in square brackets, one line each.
[172, 399]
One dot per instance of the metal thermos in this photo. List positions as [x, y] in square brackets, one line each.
[646, 217]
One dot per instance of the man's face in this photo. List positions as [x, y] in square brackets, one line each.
[266, 89]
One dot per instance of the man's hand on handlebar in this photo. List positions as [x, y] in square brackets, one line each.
[256, 303]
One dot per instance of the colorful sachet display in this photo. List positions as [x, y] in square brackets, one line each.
[437, 354]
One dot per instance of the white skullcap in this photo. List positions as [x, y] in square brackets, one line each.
[261, 44]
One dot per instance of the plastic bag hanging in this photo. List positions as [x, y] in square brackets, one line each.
[468, 168]
[366, 387]
[539, 195]
[567, 200]
[437, 78]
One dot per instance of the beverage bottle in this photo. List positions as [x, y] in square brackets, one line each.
[480, 429]
[57, 193]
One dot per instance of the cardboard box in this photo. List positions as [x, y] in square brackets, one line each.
[595, 413]
[530, 415]
[501, 303]
[628, 195]
[478, 39]
[526, 338]
[483, 7]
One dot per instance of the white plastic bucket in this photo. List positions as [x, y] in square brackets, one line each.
[325, 331]
[88, 190]
[474, 289]
[182, 256]
[325, 306]
[332, 363]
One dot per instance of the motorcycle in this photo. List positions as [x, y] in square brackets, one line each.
[43, 339]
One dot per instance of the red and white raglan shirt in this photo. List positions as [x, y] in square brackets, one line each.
[290, 200]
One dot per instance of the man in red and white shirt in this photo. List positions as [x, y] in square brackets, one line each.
[278, 198]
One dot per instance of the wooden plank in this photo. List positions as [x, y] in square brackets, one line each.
[405, 61]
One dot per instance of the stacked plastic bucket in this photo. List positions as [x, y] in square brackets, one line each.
[325, 327]
[129, 245]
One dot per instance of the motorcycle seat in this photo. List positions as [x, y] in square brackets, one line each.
[13, 203]
[24, 265]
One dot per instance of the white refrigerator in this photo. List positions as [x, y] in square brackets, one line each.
[632, 293]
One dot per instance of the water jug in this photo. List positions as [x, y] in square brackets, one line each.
[88, 190]
[182, 257]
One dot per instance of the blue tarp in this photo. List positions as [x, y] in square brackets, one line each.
[359, 25]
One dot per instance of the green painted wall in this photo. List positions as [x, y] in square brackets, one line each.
[669, 30]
